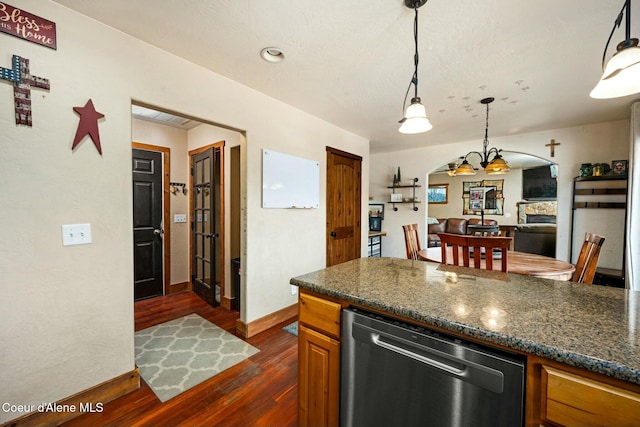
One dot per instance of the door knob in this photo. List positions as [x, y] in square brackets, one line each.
[157, 232]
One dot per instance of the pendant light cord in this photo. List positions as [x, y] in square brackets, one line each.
[414, 80]
[416, 59]
[485, 143]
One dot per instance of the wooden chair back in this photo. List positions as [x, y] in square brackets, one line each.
[412, 240]
[483, 249]
[588, 259]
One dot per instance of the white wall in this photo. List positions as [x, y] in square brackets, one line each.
[67, 312]
[601, 142]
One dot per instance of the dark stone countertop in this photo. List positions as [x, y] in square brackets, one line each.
[587, 326]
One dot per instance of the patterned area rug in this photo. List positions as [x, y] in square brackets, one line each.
[177, 355]
[292, 328]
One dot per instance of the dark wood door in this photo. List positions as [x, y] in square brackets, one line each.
[147, 224]
[344, 191]
[206, 224]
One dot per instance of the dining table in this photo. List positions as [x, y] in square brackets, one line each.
[517, 262]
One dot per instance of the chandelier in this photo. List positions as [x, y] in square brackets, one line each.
[495, 166]
[415, 116]
[621, 76]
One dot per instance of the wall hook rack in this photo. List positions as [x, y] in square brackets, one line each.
[174, 187]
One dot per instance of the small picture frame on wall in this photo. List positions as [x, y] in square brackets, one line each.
[376, 210]
[375, 223]
[396, 197]
[438, 194]
[619, 167]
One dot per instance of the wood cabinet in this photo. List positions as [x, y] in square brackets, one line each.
[559, 395]
[568, 399]
[318, 361]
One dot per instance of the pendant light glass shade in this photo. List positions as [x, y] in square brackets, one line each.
[465, 169]
[621, 76]
[415, 119]
[497, 166]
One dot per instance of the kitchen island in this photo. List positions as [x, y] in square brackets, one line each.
[573, 335]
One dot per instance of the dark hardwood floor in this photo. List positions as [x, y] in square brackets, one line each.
[261, 391]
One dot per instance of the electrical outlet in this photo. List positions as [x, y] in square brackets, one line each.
[180, 218]
[294, 290]
[76, 234]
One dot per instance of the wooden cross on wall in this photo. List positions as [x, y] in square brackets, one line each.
[552, 146]
[22, 83]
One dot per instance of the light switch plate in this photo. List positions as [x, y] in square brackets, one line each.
[76, 234]
[180, 218]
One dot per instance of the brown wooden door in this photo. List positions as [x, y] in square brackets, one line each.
[147, 224]
[343, 206]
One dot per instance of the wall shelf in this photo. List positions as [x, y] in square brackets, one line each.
[413, 200]
[599, 206]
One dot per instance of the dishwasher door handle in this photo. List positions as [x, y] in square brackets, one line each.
[469, 372]
[375, 338]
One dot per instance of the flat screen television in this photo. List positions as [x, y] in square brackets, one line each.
[538, 184]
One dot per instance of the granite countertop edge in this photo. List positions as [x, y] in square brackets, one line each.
[578, 360]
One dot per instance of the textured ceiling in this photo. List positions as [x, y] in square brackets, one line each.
[350, 62]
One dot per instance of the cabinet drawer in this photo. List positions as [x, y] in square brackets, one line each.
[320, 314]
[572, 400]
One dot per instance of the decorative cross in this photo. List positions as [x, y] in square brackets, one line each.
[552, 146]
[22, 83]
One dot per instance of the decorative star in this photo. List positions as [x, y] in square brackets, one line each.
[88, 125]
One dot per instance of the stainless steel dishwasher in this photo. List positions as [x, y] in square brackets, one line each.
[398, 374]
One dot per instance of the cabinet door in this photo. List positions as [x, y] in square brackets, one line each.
[318, 379]
[573, 400]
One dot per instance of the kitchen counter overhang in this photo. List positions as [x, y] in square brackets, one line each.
[586, 326]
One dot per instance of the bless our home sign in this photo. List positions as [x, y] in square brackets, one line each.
[27, 26]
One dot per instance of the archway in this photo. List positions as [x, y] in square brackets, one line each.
[527, 205]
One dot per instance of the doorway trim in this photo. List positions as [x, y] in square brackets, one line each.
[166, 205]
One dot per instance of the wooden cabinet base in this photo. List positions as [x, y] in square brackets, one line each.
[318, 379]
[573, 400]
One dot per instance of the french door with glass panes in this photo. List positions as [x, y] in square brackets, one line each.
[207, 275]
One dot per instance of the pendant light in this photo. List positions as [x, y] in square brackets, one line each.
[415, 116]
[621, 76]
[495, 166]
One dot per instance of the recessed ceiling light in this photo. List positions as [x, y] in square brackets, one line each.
[272, 54]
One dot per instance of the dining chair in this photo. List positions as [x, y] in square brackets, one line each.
[588, 259]
[464, 248]
[412, 240]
